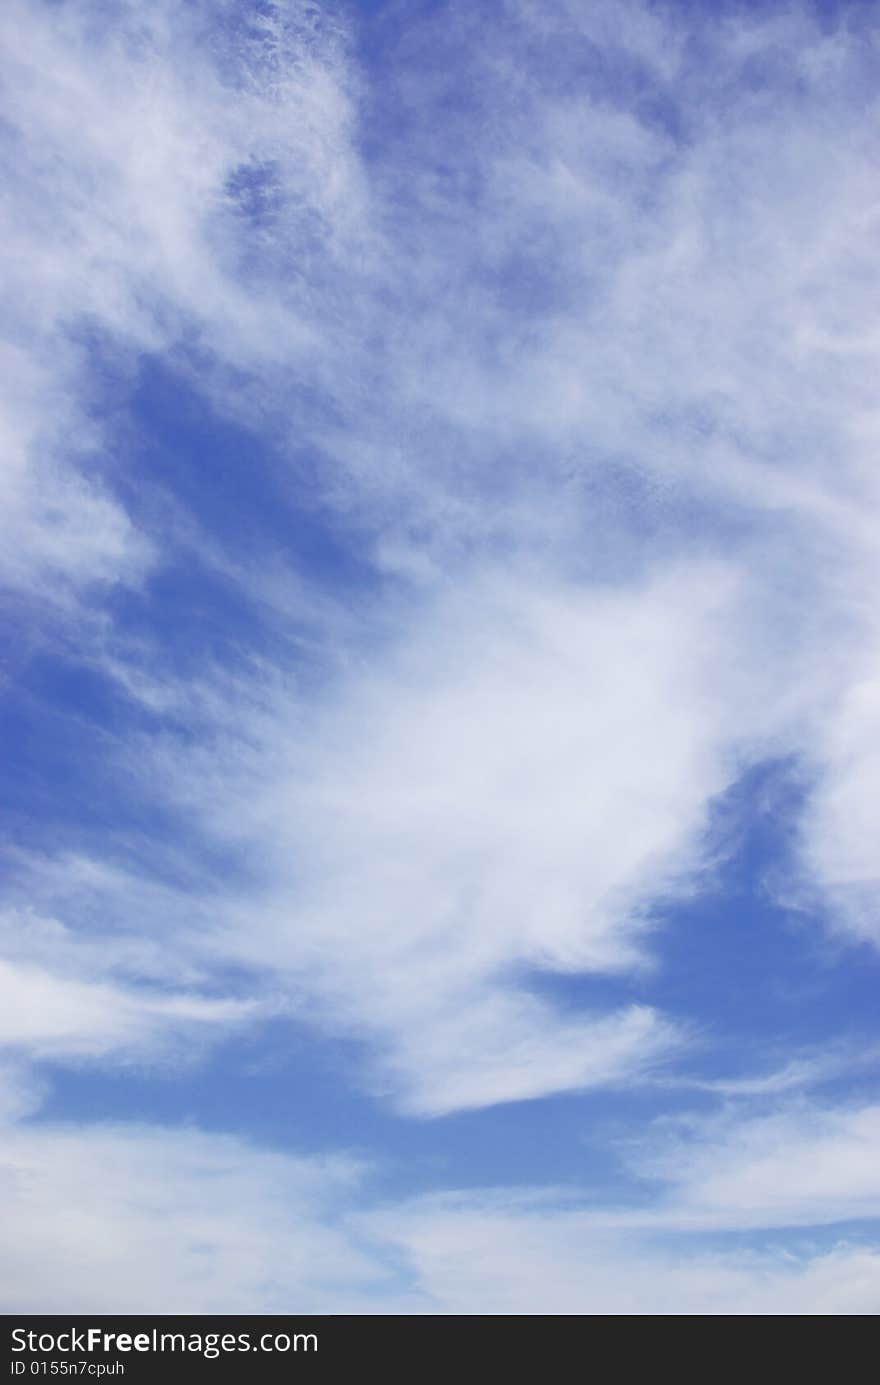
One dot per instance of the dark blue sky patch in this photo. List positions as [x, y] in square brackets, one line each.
[281, 1087]
[753, 978]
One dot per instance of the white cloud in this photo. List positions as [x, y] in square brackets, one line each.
[839, 831]
[133, 151]
[139, 1219]
[510, 789]
[58, 1016]
[507, 790]
[21, 1093]
[60, 530]
[622, 334]
[517, 785]
[69, 998]
[158, 159]
[522, 1255]
[706, 318]
[117, 1218]
[803, 1164]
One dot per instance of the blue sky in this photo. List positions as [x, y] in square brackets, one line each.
[441, 671]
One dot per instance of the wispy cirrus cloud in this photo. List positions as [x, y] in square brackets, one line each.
[480, 828]
[803, 1163]
[211, 1223]
[470, 1251]
[520, 500]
